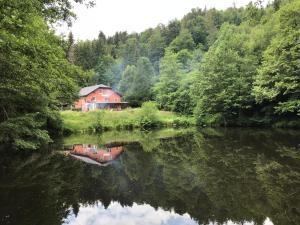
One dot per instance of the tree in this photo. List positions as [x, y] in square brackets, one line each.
[36, 78]
[184, 103]
[223, 87]
[278, 80]
[155, 48]
[70, 50]
[104, 64]
[196, 24]
[125, 85]
[183, 41]
[87, 53]
[114, 73]
[171, 31]
[131, 51]
[137, 81]
[169, 81]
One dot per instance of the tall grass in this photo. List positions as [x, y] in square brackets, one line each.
[102, 120]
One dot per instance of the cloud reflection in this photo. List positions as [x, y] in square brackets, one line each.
[116, 214]
[136, 214]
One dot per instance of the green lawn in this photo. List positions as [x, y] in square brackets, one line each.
[75, 122]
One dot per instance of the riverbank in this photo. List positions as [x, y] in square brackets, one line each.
[100, 120]
[149, 140]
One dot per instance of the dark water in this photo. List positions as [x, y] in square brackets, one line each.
[233, 176]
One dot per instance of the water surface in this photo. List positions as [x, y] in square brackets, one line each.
[167, 177]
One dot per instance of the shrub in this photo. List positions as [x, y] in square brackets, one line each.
[148, 115]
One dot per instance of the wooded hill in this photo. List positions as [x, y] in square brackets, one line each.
[238, 66]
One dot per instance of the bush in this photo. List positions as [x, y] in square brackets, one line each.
[148, 115]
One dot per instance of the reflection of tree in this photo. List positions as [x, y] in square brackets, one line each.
[280, 178]
[237, 167]
[214, 175]
[37, 189]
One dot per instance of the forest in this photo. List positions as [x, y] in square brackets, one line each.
[233, 67]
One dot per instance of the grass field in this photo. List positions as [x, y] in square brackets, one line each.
[75, 122]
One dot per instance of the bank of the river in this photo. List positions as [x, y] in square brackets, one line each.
[76, 122]
[147, 139]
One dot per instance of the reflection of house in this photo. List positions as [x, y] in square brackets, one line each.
[91, 154]
[99, 97]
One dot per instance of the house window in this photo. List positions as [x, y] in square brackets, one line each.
[106, 99]
[93, 99]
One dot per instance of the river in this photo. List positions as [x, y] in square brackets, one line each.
[166, 177]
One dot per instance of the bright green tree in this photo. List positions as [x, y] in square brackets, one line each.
[278, 79]
[169, 81]
[223, 87]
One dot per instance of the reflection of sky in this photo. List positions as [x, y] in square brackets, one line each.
[144, 214]
[115, 214]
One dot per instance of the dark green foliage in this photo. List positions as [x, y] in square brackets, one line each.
[24, 132]
[171, 31]
[89, 53]
[102, 76]
[36, 77]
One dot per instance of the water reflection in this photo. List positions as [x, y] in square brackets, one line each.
[223, 176]
[91, 153]
[116, 214]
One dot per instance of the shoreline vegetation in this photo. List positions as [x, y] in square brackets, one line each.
[147, 139]
[146, 117]
[131, 119]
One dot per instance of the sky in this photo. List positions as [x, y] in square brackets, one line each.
[110, 16]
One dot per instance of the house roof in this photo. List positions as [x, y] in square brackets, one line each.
[87, 90]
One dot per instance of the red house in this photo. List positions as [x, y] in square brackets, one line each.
[99, 97]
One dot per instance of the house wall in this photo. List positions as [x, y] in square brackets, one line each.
[99, 95]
